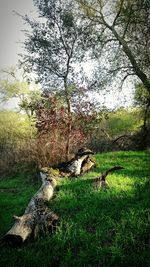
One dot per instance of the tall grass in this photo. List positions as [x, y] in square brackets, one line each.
[97, 228]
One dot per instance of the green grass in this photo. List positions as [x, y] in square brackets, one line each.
[97, 228]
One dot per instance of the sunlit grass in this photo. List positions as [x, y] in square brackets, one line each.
[97, 228]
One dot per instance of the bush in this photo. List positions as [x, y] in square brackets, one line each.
[16, 134]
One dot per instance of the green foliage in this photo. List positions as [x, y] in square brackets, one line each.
[14, 126]
[16, 133]
[97, 228]
[123, 121]
[28, 95]
[141, 96]
[9, 89]
[122, 42]
[54, 45]
[67, 19]
[142, 99]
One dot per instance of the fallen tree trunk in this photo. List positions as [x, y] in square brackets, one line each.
[36, 216]
[100, 181]
[75, 167]
[81, 163]
[87, 165]
[121, 137]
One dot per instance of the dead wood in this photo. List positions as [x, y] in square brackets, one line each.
[75, 167]
[78, 165]
[36, 216]
[84, 151]
[87, 165]
[100, 181]
[122, 137]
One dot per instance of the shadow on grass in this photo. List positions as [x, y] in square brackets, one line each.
[136, 164]
[97, 228]
[103, 228]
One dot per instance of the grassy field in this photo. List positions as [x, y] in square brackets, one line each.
[97, 228]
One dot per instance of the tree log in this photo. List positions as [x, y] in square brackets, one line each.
[87, 165]
[80, 164]
[75, 167]
[36, 216]
[122, 137]
[100, 181]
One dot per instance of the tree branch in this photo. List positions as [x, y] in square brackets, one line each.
[118, 14]
[125, 77]
[126, 28]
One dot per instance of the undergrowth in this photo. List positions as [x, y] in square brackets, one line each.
[97, 228]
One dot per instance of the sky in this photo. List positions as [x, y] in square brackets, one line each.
[11, 26]
[12, 38]
[12, 35]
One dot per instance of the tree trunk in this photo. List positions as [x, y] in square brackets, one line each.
[69, 116]
[81, 163]
[146, 117]
[36, 216]
[87, 165]
[141, 75]
[75, 167]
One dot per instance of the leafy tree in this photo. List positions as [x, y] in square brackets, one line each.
[122, 34]
[123, 121]
[13, 128]
[17, 86]
[53, 47]
[52, 121]
[142, 100]
[17, 139]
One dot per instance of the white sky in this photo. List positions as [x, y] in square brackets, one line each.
[11, 35]
[10, 29]
[12, 38]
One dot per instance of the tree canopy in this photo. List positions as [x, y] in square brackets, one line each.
[55, 43]
[16, 85]
[123, 30]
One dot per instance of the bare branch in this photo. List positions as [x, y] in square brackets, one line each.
[10, 72]
[120, 68]
[62, 39]
[125, 77]
[118, 14]
[128, 22]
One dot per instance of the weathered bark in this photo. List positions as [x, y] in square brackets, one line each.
[146, 117]
[84, 151]
[87, 165]
[80, 164]
[122, 137]
[100, 181]
[36, 215]
[69, 126]
[138, 71]
[75, 167]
